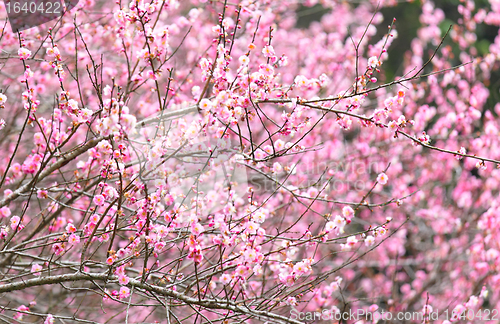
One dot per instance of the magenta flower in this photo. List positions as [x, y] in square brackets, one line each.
[124, 292]
[99, 200]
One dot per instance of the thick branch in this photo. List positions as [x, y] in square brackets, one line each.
[206, 302]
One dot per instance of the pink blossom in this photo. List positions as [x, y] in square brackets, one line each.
[74, 239]
[57, 249]
[461, 151]
[3, 99]
[110, 260]
[4, 231]
[241, 271]
[181, 145]
[382, 178]
[339, 222]
[14, 222]
[252, 227]
[124, 292]
[5, 211]
[196, 228]
[250, 255]
[244, 60]
[205, 104]
[49, 320]
[19, 316]
[266, 69]
[99, 200]
[24, 53]
[373, 62]
[348, 213]
[159, 246]
[70, 228]
[351, 240]
[279, 145]
[36, 268]
[123, 280]
[268, 51]
[301, 81]
[94, 219]
[277, 167]
[330, 226]
[225, 279]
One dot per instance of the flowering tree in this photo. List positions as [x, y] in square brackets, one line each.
[210, 161]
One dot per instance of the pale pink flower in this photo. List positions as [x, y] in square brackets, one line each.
[277, 168]
[393, 125]
[5, 211]
[461, 151]
[351, 240]
[50, 319]
[382, 178]
[3, 99]
[345, 247]
[241, 271]
[73, 239]
[123, 280]
[252, 227]
[205, 104]
[373, 62]
[244, 60]
[250, 255]
[268, 51]
[42, 194]
[124, 292]
[279, 145]
[19, 316]
[259, 217]
[339, 222]
[35, 269]
[94, 219]
[24, 53]
[84, 115]
[266, 69]
[196, 229]
[301, 81]
[330, 226]
[225, 279]
[348, 213]
[216, 29]
[301, 268]
[14, 221]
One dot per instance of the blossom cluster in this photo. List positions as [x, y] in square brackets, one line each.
[191, 157]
